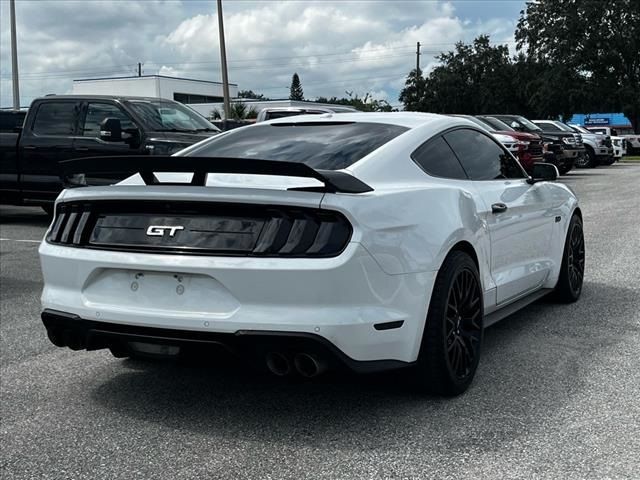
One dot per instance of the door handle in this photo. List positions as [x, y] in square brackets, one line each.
[29, 147]
[82, 149]
[498, 208]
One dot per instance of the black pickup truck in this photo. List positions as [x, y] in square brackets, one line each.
[61, 127]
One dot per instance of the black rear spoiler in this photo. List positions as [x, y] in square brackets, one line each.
[75, 172]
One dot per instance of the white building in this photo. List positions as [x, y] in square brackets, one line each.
[183, 90]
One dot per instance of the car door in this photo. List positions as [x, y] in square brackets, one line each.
[89, 143]
[46, 141]
[518, 215]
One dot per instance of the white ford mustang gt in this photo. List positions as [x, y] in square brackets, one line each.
[368, 240]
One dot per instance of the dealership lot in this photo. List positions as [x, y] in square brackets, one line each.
[556, 396]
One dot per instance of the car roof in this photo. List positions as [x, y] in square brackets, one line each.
[102, 97]
[403, 119]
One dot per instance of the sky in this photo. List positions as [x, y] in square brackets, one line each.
[362, 47]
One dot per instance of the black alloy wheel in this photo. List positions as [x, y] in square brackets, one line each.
[575, 258]
[464, 328]
[587, 159]
[571, 277]
[452, 338]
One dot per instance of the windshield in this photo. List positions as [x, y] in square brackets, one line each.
[580, 129]
[497, 124]
[563, 127]
[168, 116]
[528, 125]
[321, 145]
[625, 131]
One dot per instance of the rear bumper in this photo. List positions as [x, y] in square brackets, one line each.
[69, 330]
[340, 299]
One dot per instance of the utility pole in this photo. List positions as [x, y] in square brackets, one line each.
[223, 61]
[418, 57]
[139, 69]
[14, 56]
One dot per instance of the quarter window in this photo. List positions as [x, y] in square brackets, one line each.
[481, 157]
[55, 118]
[97, 112]
[437, 159]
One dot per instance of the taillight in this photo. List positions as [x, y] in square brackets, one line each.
[205, 228]
[70, 225]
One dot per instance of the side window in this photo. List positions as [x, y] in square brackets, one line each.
[97, 112]
[436, 158]
[481, 157]
[55, 118]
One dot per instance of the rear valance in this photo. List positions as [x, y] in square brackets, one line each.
[76, 172]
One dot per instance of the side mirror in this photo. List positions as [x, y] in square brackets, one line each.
[543, 172]
[111, 130]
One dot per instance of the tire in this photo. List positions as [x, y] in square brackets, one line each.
[569, 286]
[452, 338]
[563, 170]
[609, 161]
[588, 160]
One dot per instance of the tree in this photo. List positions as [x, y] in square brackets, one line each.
[238, 111]
[251, 94]
[598, 40]
[474, 79]
[413, 94]
[296, 88]
[364, 104]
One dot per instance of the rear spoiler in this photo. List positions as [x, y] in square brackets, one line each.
[75, 172]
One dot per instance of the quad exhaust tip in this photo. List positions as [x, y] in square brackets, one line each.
[309, 365]
[278, 364]
[306, 364]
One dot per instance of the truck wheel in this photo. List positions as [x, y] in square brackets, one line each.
[569, 286]
[450, 349]
[609, 160]
[588, 160]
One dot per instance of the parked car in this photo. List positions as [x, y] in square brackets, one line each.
[61, 127]
[383, 241]
[271, 113]
[631, 143]
[621, 144]
[558, 127]
[560, 147]
[599, 148]
[527, 148]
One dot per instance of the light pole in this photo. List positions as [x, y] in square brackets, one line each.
[14, 56]
[223, 61]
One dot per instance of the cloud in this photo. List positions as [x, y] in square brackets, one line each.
[333, 46]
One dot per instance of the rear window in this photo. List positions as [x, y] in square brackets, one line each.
[321, 145]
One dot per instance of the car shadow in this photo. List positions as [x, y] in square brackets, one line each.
[533, 363]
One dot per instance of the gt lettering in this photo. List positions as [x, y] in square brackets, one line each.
[159, 230]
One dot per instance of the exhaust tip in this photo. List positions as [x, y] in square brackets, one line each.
[73, 340]
[278, 364]
[55, 337]
[309, 365]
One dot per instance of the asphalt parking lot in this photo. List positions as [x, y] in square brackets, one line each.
[557, 393]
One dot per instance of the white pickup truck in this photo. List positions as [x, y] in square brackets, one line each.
[629, 142]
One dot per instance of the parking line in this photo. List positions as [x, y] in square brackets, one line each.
[15, 240]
